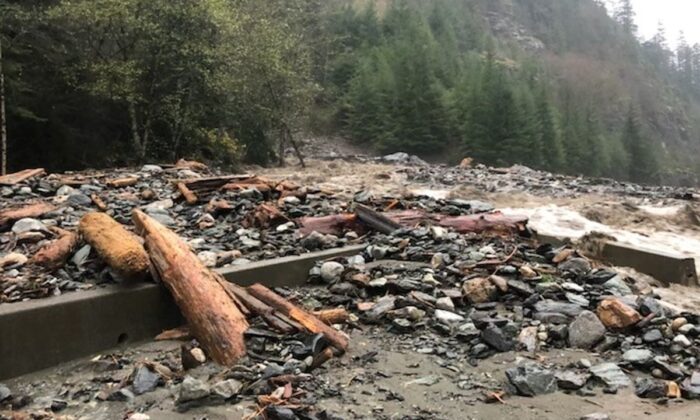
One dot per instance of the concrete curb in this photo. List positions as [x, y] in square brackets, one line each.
[664, 267]
[41, 333]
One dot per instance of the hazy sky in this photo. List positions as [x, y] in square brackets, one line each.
[676, 15]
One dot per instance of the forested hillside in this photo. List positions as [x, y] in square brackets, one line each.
[563, 85]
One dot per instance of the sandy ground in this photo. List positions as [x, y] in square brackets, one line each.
[369, 390]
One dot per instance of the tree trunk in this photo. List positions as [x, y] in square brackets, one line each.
[213, 317]
[135, 136]
[3, 122]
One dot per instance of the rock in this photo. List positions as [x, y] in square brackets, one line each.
[677, 323]
[559, 332]
[192, 389]
[576, 266]
[438, 233]
[151, 168]
[611, 375]
[79, 200]
[445, 303]
[65, 190]
[617, 286]
[527, 272]
[568, 309]
[28, 225]
[649, 388]
[616, 315]
[138, 416]
[275, 412]
[571, 380]
[652, 336]
[586, 331]
[528, 340]
[638, 356]
[499, 282]
[227, 389]
[496, 338]
[690, 387]
[331, 271]
[144, 380]
[668, 370]
[682, 340]
[530, 380]
[447, 317]
[648, 305]
[577, 299]
[572, 287]
[5, 392]
[208, 258]
[479, 290]
[596, 416]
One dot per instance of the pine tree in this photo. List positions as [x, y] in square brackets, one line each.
[552, 151]
[625, 15]
[643, 166]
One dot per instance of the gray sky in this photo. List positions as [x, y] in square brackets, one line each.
[676, 15]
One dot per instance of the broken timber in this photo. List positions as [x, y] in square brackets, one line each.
[11, 215]
[17, 177]
[211, 314]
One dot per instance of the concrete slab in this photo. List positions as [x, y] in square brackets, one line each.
[665, 267]
[41, 333]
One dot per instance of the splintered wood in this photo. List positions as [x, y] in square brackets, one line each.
[211, 314]
[17, 177]
[306, 319]
[33, 210]
[118, 247]
[56, 253]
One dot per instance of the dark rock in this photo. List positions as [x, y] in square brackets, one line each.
[690, 387]
[144, 381]
[58, 405]
[586, 331]
[571, 380]
[551, 306]
[652, 336]
[552, 318]
[599, 276]
[530, 380]
[669, 370]
[610, 375]
[496, 338]
[275, 412]
[79, 200]
[192, 389]
[649, 388]
[559, 332]
[576, 266]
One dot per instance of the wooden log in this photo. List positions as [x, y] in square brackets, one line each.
[218, 206]
[98, 202]
[17, 177]
[309, 321]
[265, 216]
[122, 182]
[36, 209]
[55, 254]
[118, 247]
[212, 316]
[189, 196]
[214, 182]
[260, 309]
[495, 222]
[191, 164]
[335, 224]
[333, 316]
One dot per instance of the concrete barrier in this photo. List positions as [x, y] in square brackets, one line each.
[664, 267]
[41, 333]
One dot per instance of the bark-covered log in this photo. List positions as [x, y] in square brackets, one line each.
[13, 214]
[213, 317]
[56, 253]
[306, 319]
[118, 247]
[189, 196]
[17, 177]
[333, 316]
[260, 309]
[122, 182]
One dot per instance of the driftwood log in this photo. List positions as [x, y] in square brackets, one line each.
[36, 209]
[17, 177]
[56, 253]
[118, 247]
[213, 317]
